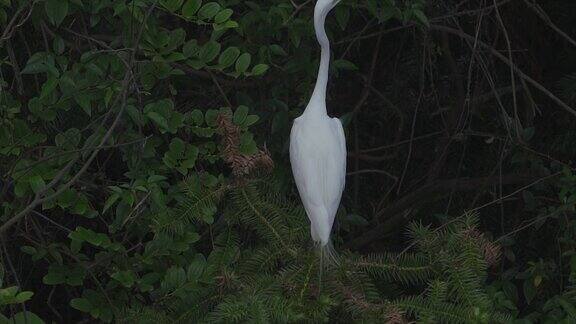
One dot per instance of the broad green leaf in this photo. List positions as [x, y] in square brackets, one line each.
[28, 249]
[48, 87]
[229, 24]
[243, 62]
[211, 117]
[175, 277]
[278, 50]
[196, 267]
[158, 119]
[421, 17]
[190, 8]
[567, 306]
[251, 120]
[247, 144]
[58, 45]
[197, 117]
[209, 10]
[25, 318]
[529, 290]
[83, 101]
[172, 5]
[228, 57]
[191, 48]
[342, 16]
[177, 147]
[259, 69]
[37, 183]
[24, 296]
[345, 65]
[240, 115]
[110, 201]
[66, 198]
[223, 16]
[209, 51]
[81, 304]
[56, 10]
[54, 278]
[126, 278]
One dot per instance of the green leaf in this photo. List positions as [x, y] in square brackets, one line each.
[209, 51]
[567, 306]
[190, 8]
[229, 24]
[24, 296]
[191, 48]
[81, 304]
[172, 5]
[58, 45]
[342, 16]
[228, 57]
[251, 120]
[196, 267]
[421, 17]
[126, 278]
[208, 10]
[240, 115]
[158, 119]
[25, 318]
[67, 198]
[345, 65]
[54, 278]
[247, 144]
[197, 117]
[110, 201]
[177, 147]
[37, 183]
[529, 290]
[260, 69]
[223, 16]
[28, 249]
[175, 277]
[278, 50]
[56, 10]
[211, 117]
[48, 87]
[34, 68]
[243, 62]
[84, 102]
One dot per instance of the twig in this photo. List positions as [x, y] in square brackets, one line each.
[393, 177]
[394, 216]
[507, 62]
[540, 12]
[297, 9]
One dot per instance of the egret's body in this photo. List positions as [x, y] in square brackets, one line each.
[318, 147]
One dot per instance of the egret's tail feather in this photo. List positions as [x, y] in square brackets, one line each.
[328, 256]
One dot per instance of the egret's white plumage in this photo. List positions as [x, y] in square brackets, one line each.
[318, 146]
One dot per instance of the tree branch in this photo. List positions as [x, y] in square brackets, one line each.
[394, 214]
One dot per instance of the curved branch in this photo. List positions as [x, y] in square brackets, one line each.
[395, 214]
[502, 58]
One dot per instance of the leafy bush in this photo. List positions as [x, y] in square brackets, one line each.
[143, 148]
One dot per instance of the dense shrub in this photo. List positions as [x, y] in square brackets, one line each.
[143, 149]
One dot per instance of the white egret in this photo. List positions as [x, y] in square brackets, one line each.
[318, 148]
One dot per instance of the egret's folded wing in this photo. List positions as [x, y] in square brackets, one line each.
[336, 168]
[305, 167]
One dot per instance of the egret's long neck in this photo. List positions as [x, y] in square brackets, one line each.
[318, 100]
